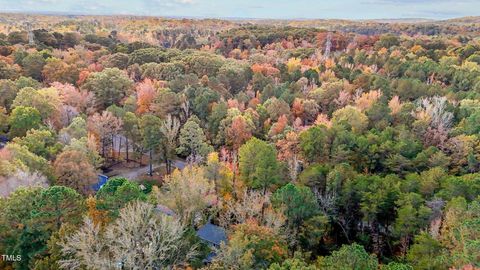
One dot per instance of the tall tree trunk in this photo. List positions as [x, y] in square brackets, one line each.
[126, 145]
[119, 148]
[263, 204]
[113, 147]
[167, 165]
[150, 167]
[404, 242]
[167, 160]
[376, 239]
[103, 147]
[234, 169]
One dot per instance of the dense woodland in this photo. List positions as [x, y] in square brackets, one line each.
[314, 144]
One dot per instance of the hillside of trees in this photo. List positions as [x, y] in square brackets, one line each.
[312, 144]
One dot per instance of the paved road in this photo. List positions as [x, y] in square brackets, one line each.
[135, 173]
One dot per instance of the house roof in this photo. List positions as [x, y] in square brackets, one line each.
[164, 210]
[3, 139]
[210, 257]
[102, 180]
[212, 234]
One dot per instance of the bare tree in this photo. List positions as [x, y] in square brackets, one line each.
[105, 126]
[252, 205]
[86, 249]
[9, 184]
[189, 193]
[434, 111]
[169, 129]
[185, 108]
[140, 238]
[329, 208]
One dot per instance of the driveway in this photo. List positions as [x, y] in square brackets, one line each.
[135, 173]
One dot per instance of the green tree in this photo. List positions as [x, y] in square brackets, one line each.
[110, 86]
[15, 231]
[251, 247]
[234, 75]
[8, 92]
[426, 253]
[298, 203]
[40, 142]
[30, 216]
[52, 261]
[192, 140]
[202, 101]
[315, 177]
[315, 144]
[396, 266]
[351, 119]
[276, 108]
[258, 164]
[116, 193]
[471, 123]
[461, 230]
[46, 101]
[117, 60]
[152, 137]
[430, 181]
[23, 82]
[147, 55]
[3, 121]
[17, 37]
[57, 205]
[33, 65]
[349, 257]
[387, 41]
[131, 130]
[23, 119]
[203, 63]
[292, 264]
[412, 216]
[163, 71]
[26, 160]
[76, 130]
[218, 113]
[377, 198]
[8, 71]
[313, 231]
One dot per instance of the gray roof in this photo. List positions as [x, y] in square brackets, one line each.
[165, 210]
[212, 234]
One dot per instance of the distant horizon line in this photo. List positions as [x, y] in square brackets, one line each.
[62, 13]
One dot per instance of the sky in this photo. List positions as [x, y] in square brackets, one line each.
[273, 9]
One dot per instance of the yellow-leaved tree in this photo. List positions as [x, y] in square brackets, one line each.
[188, 193]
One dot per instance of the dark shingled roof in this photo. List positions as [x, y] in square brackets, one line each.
[212, 234]
[165, 210]
[3, 141]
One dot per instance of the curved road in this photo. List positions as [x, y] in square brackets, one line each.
[135, 173]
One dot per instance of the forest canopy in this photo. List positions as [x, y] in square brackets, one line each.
[312, 144]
